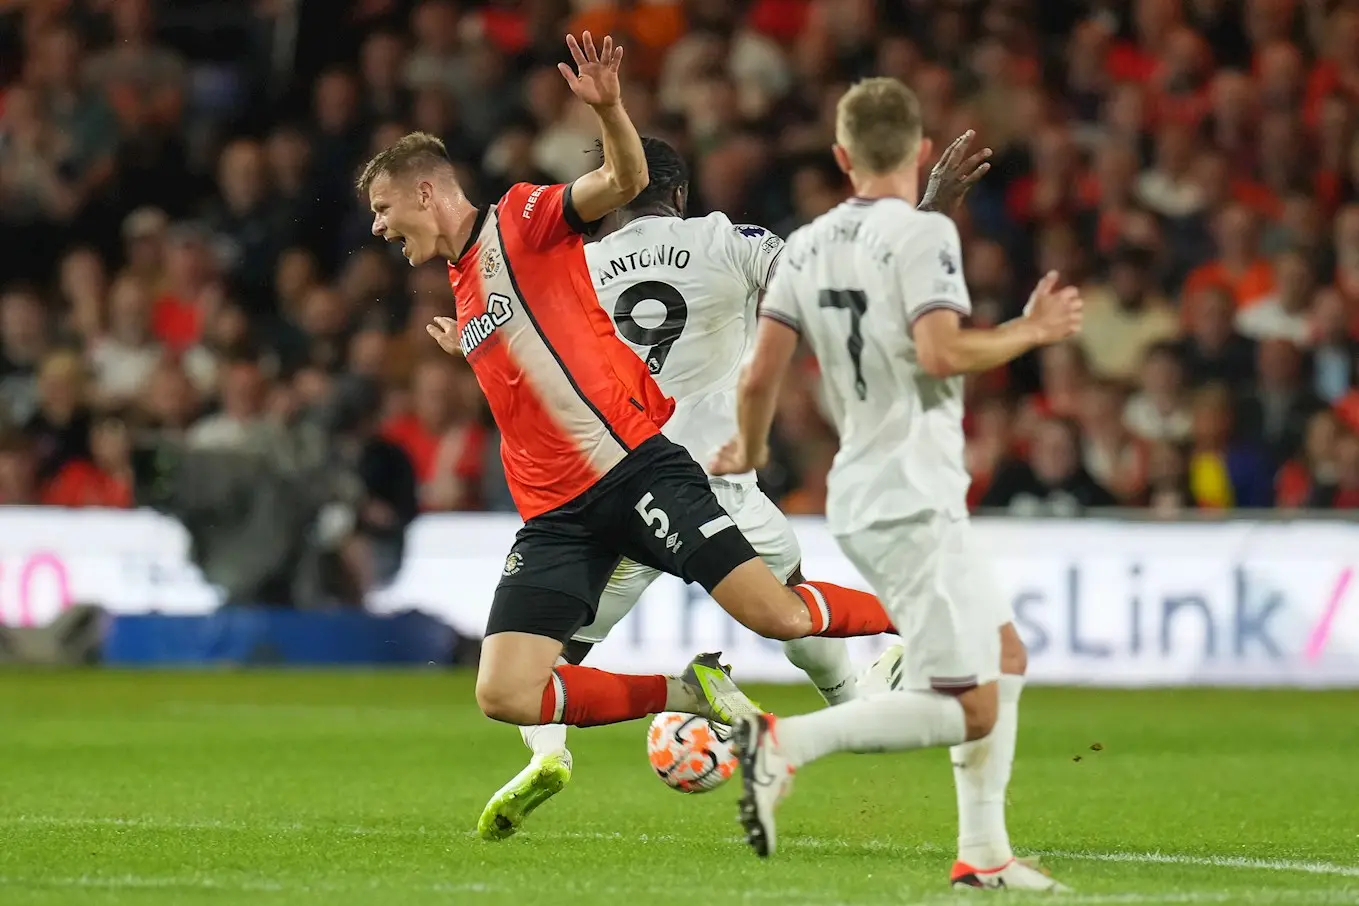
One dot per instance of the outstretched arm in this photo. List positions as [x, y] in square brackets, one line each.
[623, 174]
[775, 344]
[946, 348]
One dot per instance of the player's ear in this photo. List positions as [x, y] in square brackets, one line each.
[424, 193]
[681, 199]
[926, 151]
[841, 158]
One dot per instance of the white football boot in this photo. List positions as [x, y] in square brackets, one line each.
[1017, 874]
[766, 777]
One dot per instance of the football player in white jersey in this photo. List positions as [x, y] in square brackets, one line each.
[682, 293]
[877, 289]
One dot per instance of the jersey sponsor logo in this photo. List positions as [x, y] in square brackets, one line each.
[490, 263]
[771, 243]
[947, 263]
[533, 200]
[499, 309]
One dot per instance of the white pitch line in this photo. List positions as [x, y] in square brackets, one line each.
[208, 882]
[1160, 858]
[1312, 867]
[789, 897]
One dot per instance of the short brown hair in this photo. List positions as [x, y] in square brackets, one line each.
[416, 152]
[878, 122]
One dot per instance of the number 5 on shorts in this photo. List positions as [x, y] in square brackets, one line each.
[654, 516]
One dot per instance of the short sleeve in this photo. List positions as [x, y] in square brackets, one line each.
[543, 215]
[757, 252]
[780, 298]
[931, 269]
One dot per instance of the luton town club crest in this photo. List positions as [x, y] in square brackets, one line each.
[490, 263]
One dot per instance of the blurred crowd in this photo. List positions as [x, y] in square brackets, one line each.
[181, 248]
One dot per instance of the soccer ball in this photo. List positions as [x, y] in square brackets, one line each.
[688, 753]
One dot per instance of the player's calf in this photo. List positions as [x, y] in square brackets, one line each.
[1014, 656]
[980, 704]
[511, 677]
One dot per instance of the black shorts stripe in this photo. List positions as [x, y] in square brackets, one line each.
[538, 329]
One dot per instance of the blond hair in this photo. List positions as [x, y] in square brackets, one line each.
[877, 122]
[417, 152]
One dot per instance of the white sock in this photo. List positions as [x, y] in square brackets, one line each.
[981, 772]
[826, 663]
[549, 739]
[885, 722]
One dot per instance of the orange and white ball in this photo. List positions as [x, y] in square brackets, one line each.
[689, 753]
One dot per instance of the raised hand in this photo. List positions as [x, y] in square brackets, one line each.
[445, 333]
[954, 175]
[595, 80]
[1056, 312]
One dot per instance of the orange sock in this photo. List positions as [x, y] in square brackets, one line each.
[586, 697]
[840, 613]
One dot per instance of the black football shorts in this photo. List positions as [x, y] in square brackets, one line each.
[655, 507]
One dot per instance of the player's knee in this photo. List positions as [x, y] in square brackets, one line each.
[783, 620]
[510, 703]
[1014, 656]
[979, 710]
[752, 595]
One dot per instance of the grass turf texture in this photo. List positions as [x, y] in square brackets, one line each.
[318, 788]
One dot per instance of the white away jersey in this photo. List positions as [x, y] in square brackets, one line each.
[682, 294]
[853, 282]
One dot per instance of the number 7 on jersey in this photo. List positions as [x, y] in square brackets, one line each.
[854, 301]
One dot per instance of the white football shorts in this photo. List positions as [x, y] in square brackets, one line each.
[941, 594]
[763, 524]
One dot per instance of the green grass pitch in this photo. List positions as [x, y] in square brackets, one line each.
[325, 788]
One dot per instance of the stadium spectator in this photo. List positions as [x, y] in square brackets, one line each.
[102, 480]
[124, 355]
[1301, 480]
[18, 480]
[1238, 267]
[1158, 412]
[240, 422]
[60, 428]
[990, 442]
[1343, 493]
[1110, 453]
[1335, 352]
[1275, 415]
[1224, 473]
[1125, 316]
[174, 223]
[1168, 493]
[1283, 315]
[1053, 482]
[1212, 350]
[441, 436]
[25, 338]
